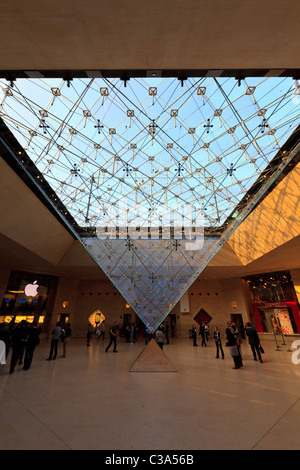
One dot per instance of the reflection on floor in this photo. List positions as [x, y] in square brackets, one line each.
[90, 400]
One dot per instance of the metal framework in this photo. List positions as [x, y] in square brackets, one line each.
[204, 142]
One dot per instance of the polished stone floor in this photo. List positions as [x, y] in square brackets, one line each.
[89, 400]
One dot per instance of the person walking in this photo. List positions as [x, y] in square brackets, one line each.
[113, 333]
[56, 332]
[217, 337]
[254, 341]
[89, 334]
[202, 334]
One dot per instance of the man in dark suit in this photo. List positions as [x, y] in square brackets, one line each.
[254, 341]
[113, 333]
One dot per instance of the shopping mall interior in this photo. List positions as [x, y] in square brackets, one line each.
[173, 102]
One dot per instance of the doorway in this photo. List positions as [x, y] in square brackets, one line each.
[172, 324]
[64, 318]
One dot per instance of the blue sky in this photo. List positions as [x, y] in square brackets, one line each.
[153, 140]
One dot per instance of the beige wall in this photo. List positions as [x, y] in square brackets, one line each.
[206, 294]
[233, 292]
[214, 296]
[84, 297]
[27, 221]
[274, 222]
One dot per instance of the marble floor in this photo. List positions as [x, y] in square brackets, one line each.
[91, 401]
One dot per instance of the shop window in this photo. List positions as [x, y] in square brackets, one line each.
[26, 298]
[278, 320]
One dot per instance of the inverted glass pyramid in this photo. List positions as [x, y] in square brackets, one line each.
[152, 175]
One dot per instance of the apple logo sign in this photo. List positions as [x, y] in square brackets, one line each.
[31, 289]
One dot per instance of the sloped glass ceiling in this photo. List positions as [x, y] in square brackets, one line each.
[155, 154]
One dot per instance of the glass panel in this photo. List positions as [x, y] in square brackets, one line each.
[144, 169]
[96, 142]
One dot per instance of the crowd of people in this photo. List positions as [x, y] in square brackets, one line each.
[233, 341]
[130, 332]
[22, 339]
[161, 335]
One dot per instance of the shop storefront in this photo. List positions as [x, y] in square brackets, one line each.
[280, 317]
[273, 303]
[27, 298]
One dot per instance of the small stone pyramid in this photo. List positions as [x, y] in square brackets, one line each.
[152, 359]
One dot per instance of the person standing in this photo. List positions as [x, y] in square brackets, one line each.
[167, 332]
[231, 343]
[5, 337]
[194, 335]
[66, 338]
[24, 330]
[202, 334]
[206, 330]
[90, 331]
[133, 333]
[33, 340]
[102, 330]
[127, 332]
[19, 336]
[160, 337]
[238, 341]
[97, 331]
[113, 333]
[56, 332]
[254, 341]
[217, 337]
[148, 336]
